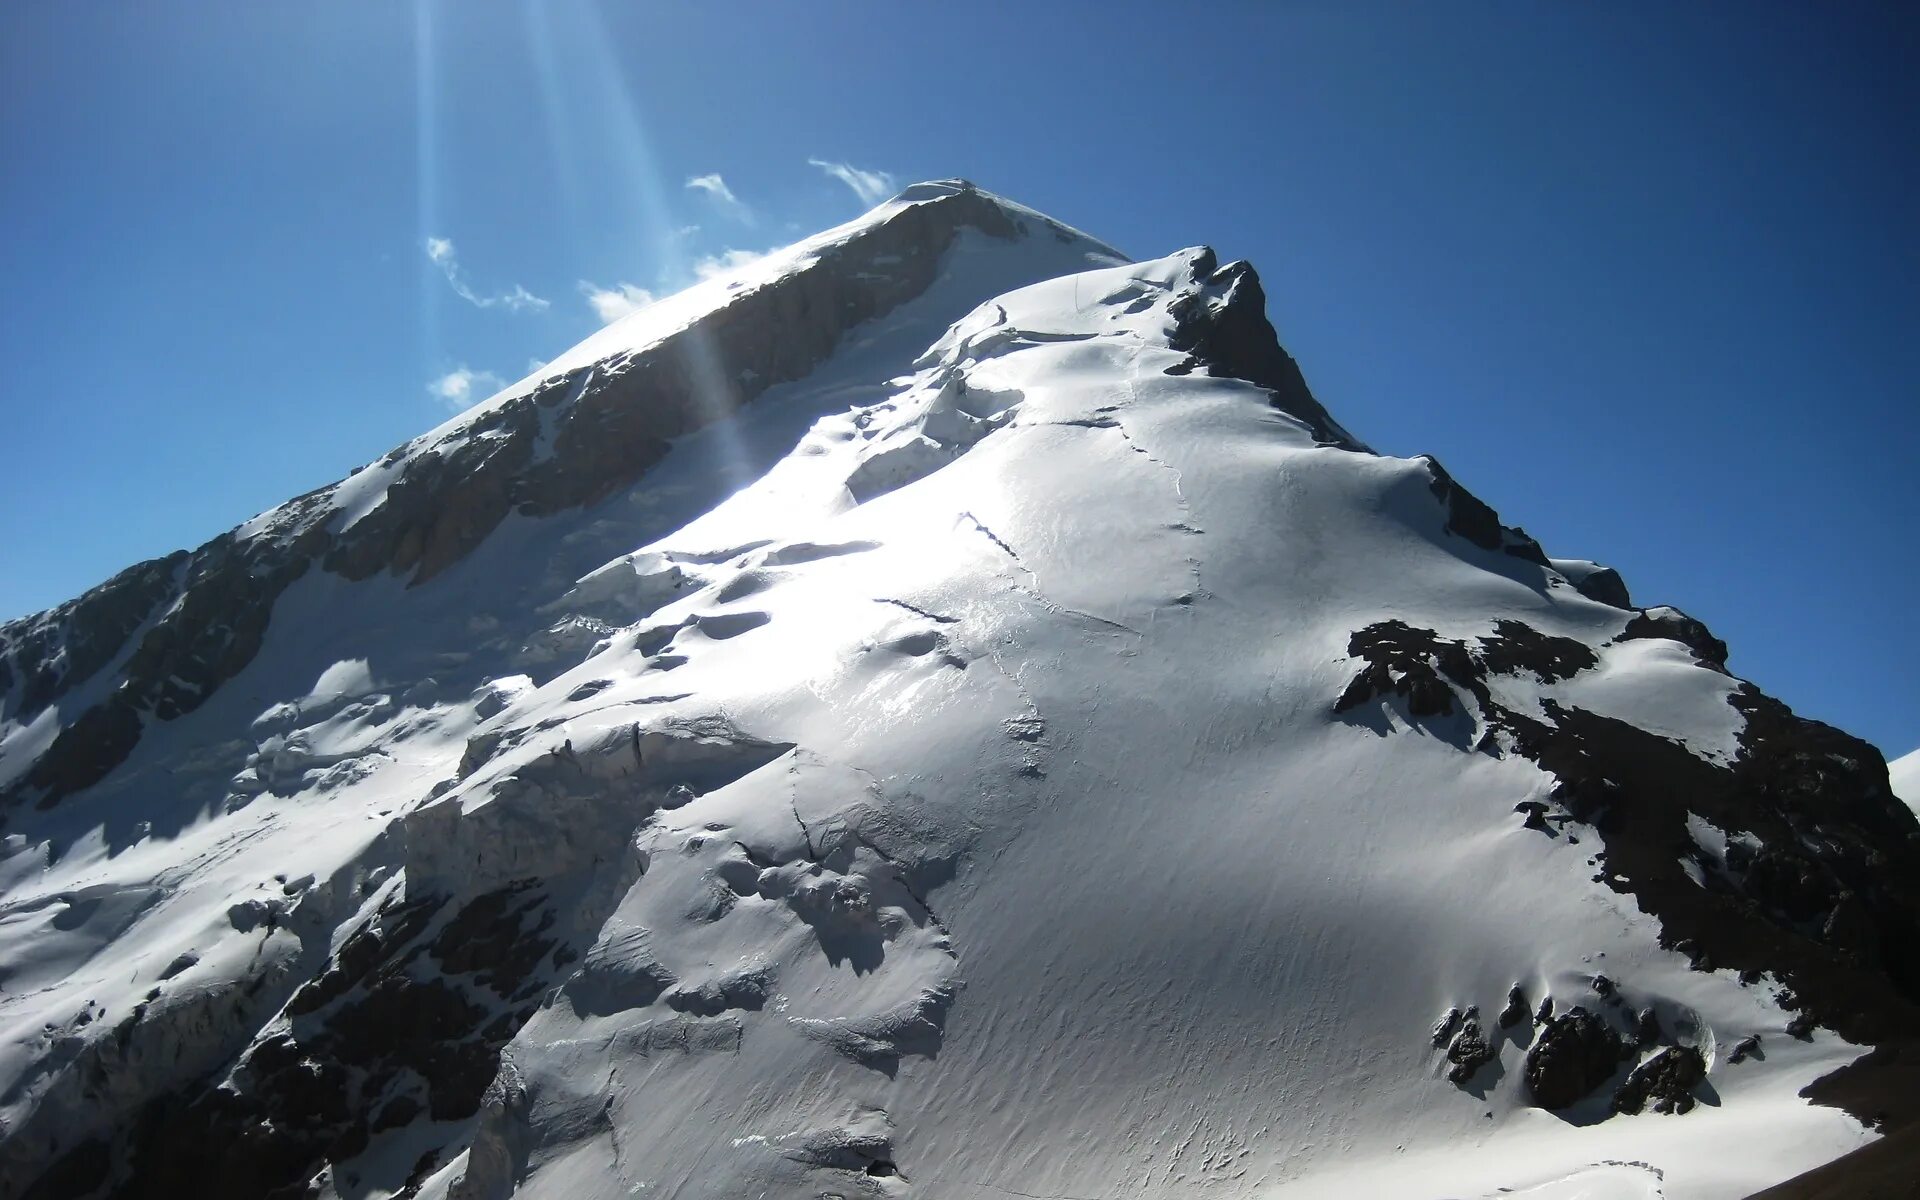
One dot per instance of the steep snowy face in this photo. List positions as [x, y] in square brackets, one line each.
[1028, 749]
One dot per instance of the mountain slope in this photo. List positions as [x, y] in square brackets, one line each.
[1028, 749]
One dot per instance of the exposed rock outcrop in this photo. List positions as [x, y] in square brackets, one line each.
[1595, 582]
[1223, 328]
[1468, 1051]
[1665, 1083]
[1821, 883]
[1575, 1054]
[1473, 519]
[1667, 622]
[43, 657]
[1517, 1009]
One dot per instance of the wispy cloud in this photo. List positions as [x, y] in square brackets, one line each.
[722, 196]
[714, 186]
[612, 303]
[517, 299]
[458, 388]
[726, 260]
[871, 186]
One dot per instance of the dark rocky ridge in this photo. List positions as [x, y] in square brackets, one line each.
[205, 613]
[42, 657]
[1229, 336]
[1674, 625]
[1474, 519]
[1603, 584]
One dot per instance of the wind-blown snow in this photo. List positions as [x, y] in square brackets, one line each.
[1048, 870]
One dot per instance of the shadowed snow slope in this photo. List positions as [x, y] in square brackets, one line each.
[943, 712]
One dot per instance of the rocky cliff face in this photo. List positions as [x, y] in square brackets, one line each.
[945, 712]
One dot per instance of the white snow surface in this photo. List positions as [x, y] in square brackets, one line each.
[1002, 599]
[1904, 772]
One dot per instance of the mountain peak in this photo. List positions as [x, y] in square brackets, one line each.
[941, 709]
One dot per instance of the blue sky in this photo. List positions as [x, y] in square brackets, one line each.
[1644, 277]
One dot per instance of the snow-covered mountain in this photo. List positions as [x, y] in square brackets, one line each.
[944, 713]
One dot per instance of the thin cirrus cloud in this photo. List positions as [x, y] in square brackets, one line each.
[612, 303]
[721, 195]
[458, 388]
[518, 299]
[871, 186]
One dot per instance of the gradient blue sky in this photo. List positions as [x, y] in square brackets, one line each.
[1642, 276]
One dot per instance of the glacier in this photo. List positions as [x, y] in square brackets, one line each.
[941, 711]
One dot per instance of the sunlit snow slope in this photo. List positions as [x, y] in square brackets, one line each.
[941, 713]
